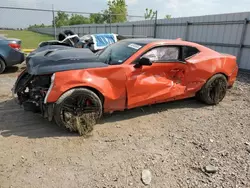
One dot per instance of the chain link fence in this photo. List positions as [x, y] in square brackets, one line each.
[32, 18]
[225, 33]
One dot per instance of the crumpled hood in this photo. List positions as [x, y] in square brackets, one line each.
[54, 60]
[48, 47]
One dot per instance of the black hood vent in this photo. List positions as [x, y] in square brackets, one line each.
[51, 61]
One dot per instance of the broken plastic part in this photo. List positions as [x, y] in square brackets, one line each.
[50, 87]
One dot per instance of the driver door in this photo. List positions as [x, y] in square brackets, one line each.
[163, 80]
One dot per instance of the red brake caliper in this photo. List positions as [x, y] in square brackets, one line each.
[88, 102]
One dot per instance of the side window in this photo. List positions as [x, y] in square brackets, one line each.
[189, 51]
[164, 53]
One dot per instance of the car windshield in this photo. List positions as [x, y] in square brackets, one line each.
[118, 52]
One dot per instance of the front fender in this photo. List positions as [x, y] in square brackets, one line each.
[110, 82]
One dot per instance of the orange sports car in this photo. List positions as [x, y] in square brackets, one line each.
[75, 87]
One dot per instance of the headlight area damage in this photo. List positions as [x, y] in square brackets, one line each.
[32, 92]
[77, 110]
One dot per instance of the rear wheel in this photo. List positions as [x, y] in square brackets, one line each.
[2, 66]
[214, 90]
[78, 110]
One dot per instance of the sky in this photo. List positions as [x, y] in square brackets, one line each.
[175, 8]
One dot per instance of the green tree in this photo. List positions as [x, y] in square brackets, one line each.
[97, 18]
[149, 14]
[61, 19]
[76, 19]
[38, 26]
[168, 16]
[116, 12]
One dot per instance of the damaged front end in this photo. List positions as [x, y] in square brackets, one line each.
[31, 91]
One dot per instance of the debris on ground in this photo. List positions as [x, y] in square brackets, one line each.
[210, 169]
[247, 143]
[146, 176]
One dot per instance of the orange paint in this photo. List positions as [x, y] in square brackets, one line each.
[124, 86]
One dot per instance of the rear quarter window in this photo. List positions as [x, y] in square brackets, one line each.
[189, 51]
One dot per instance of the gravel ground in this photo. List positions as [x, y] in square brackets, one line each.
[177, 144]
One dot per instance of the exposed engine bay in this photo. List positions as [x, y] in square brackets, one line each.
[31, 91]
[76, 114]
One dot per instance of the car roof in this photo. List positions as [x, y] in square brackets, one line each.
[178, 41]
[157, 40]
[143, 40]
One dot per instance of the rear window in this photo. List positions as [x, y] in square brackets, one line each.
[189, 51]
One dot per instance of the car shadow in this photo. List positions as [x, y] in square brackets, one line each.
[14, 69]
[11, 69]
[152, 109]
[15, 121]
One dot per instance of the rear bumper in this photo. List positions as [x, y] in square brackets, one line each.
[14, 58]
[233, 77]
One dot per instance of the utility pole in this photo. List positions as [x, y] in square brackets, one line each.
[110, 21]
[54, 21]
[155, 25]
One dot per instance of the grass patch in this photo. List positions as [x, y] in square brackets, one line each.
[29, 39]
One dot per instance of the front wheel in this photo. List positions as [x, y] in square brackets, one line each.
[78, 110]
[214, 90]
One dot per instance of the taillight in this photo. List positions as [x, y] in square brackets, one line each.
[15, 46]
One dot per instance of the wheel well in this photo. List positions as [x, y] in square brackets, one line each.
[98, 93]
[222, 74]
[1, 58]
[214, 75]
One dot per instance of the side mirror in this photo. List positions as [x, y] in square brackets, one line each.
[143, 62]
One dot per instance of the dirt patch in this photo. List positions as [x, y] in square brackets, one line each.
[174, 141]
